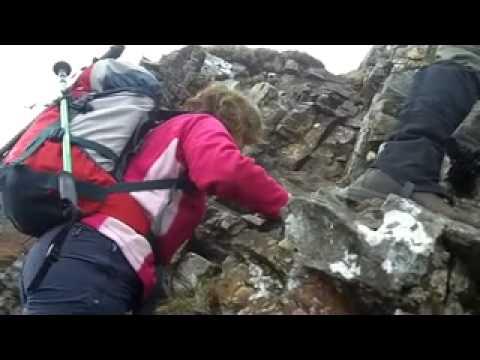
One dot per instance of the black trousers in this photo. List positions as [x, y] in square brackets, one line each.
[90, 277]
[441, 97]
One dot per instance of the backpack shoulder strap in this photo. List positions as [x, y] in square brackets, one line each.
[93, 145]
[99, 193]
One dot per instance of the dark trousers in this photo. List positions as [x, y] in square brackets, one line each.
[91, 276]
[441, 97]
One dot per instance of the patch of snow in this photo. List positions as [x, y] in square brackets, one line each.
[346, 267]
[215, 66]
[387, 266]
[400, 226]
[261, 282]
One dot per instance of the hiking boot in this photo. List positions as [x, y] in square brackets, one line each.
[376, 184]
[373, 184]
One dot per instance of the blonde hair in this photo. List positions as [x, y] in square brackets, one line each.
[239, 115]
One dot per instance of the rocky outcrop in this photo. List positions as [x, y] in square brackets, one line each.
[403, 264]
[329, 257]
[309, 113]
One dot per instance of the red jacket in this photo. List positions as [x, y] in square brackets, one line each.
[200, 147]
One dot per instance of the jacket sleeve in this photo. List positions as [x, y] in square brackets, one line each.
[216, 166]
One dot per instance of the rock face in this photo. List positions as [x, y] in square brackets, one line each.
[329, 257]
[308, 112]
[403, 265]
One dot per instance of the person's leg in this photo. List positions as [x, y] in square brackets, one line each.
[441, 97]
[409, 165]
[90, 277]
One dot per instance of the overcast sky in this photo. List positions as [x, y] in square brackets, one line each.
[27, 76]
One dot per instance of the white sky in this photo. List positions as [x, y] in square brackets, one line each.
[27, 77]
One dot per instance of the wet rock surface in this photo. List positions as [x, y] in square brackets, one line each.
[329, 256]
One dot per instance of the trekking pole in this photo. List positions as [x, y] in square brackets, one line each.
[114, 52]
[66, 181]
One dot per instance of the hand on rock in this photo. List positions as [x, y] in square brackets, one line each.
[284, 210]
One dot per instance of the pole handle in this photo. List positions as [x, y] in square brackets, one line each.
[62, 67]
[114, 52]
